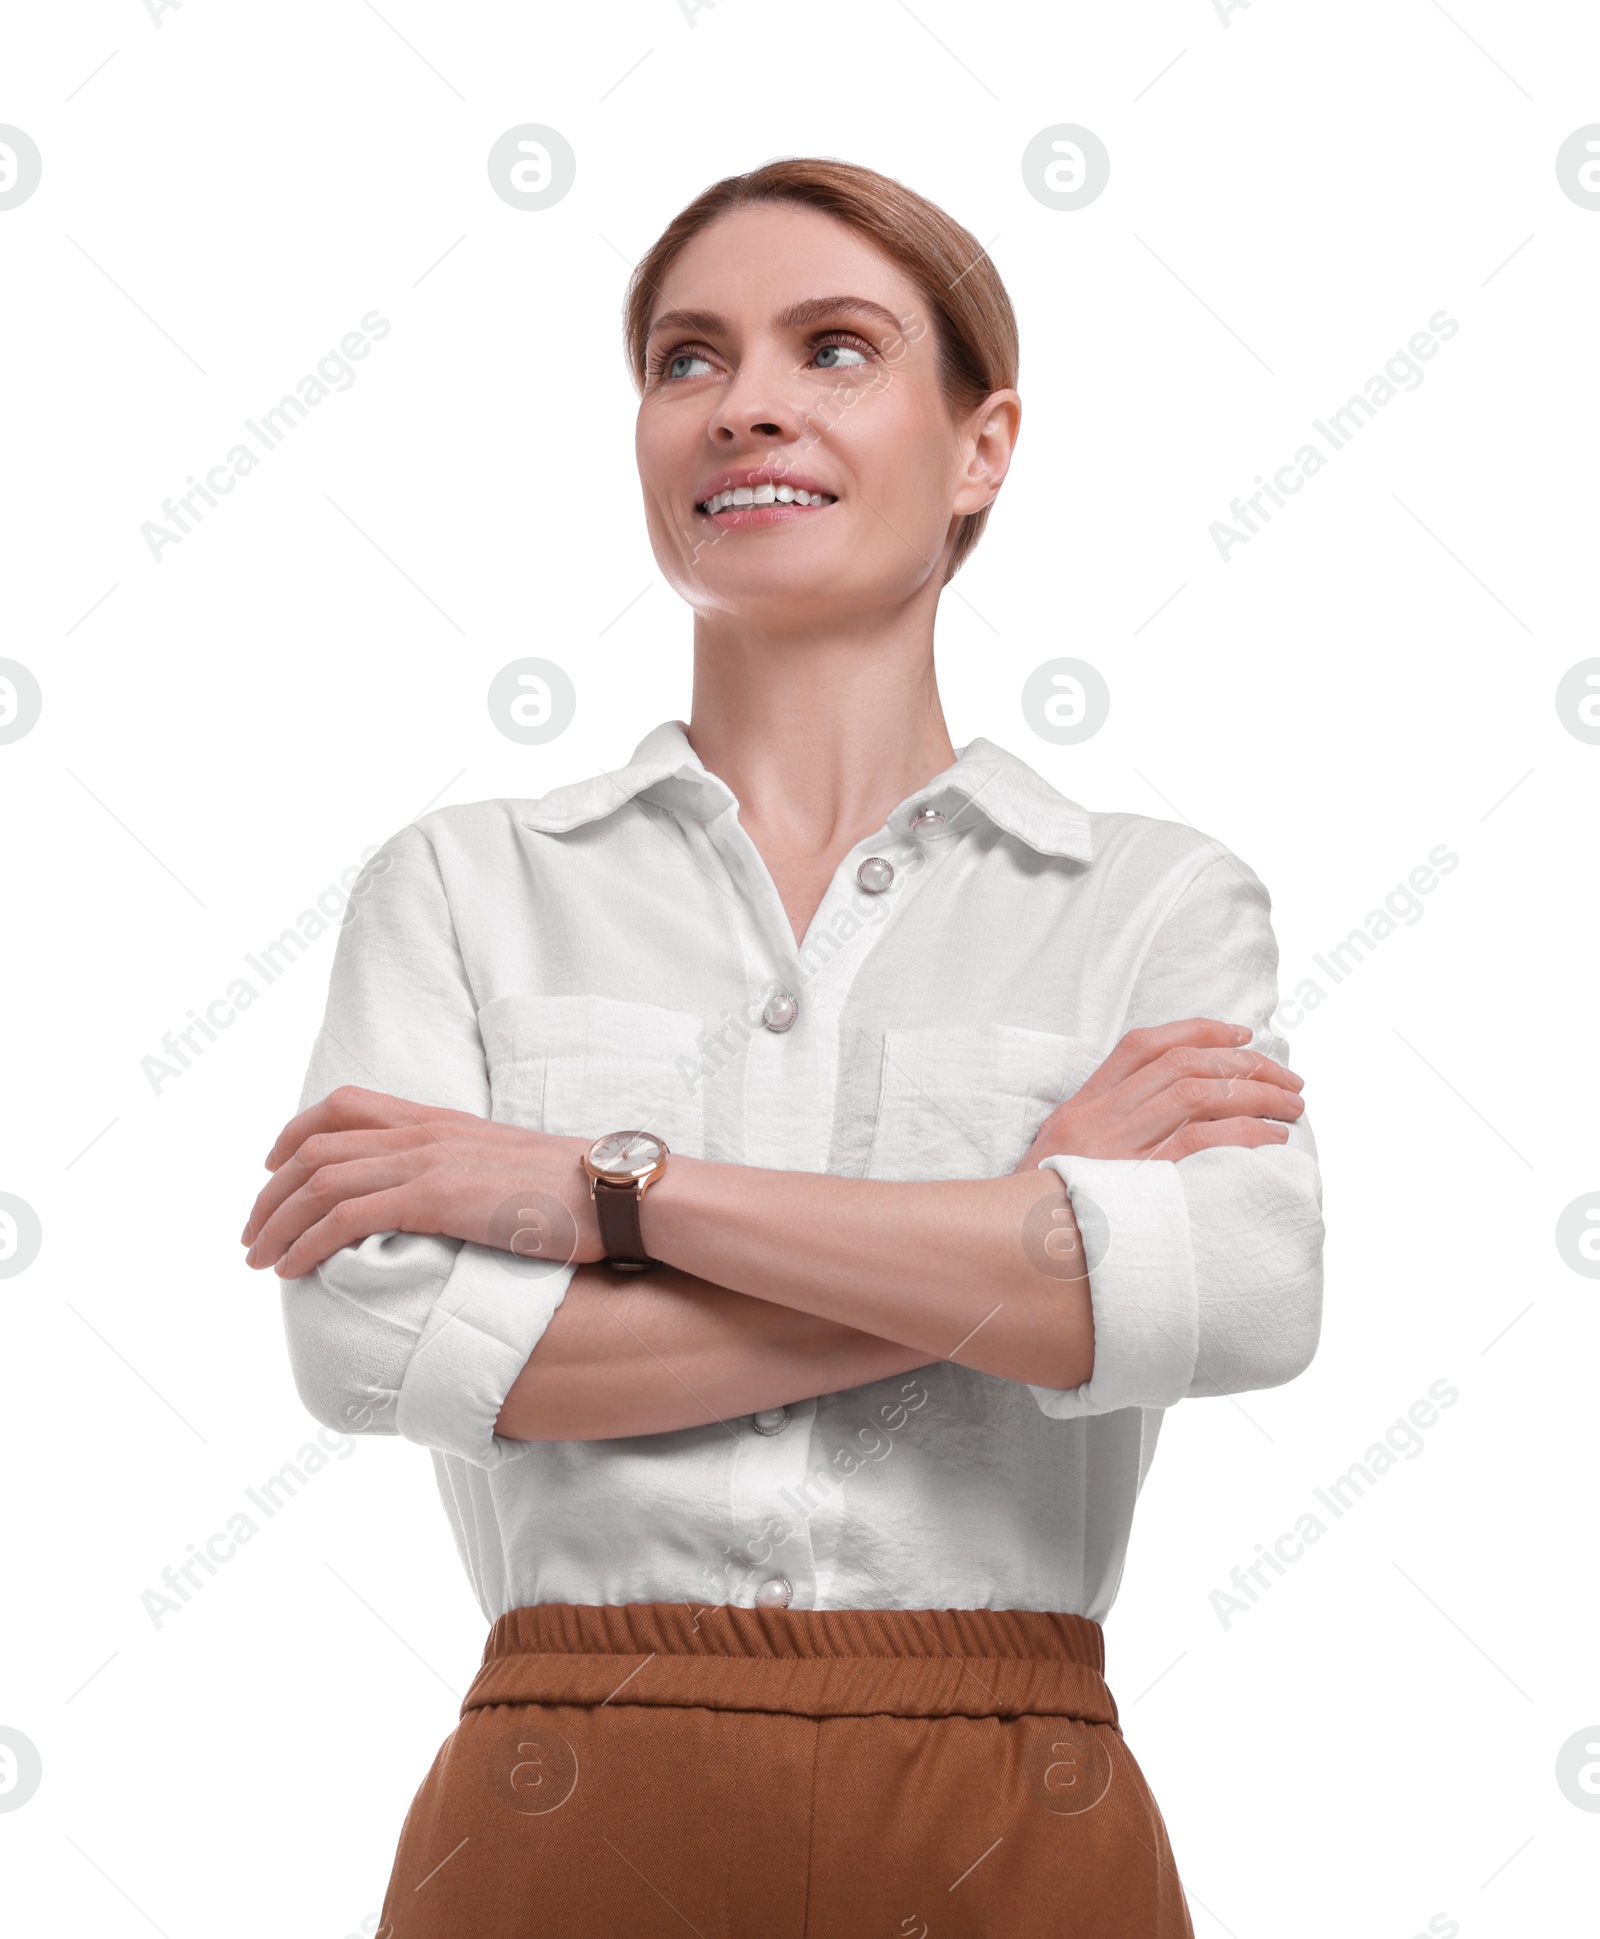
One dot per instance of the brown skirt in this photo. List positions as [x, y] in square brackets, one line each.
[652, 1768]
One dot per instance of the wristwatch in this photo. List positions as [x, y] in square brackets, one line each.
[622, 1166]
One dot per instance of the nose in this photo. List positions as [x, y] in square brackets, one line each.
[727, 431]
[752, 407]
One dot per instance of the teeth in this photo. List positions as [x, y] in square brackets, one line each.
[767, 494]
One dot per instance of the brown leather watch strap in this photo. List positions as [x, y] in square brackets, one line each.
[617, 1209]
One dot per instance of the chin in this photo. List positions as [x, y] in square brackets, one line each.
[765, 597]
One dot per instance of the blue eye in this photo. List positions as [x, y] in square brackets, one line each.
[836, 350]
[684, 357]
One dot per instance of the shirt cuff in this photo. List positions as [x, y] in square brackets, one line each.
[1134, 1219]
[487, 1320]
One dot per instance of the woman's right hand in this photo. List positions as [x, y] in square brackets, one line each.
[1170, 1090]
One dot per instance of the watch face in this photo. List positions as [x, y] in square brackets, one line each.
[627, 1154]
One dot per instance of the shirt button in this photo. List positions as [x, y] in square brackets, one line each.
[779, 1011]
[875, 874]
[774, 1593]
[771, 1420]
[926, 821]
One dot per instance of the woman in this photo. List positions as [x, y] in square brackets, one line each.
[791, 1435]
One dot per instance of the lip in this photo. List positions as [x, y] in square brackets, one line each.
[760, 475]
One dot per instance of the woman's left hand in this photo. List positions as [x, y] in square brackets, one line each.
[362, 1162]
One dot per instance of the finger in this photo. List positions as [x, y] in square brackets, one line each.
[1196, 1100]
[1270, 1071]
[1188, 1064]
[349, 1222]
[350, 1108]
[323, 1193]
[1139, 1048]
[347, 1108]
[1254, 1064]
[329, 1148]
[1249, 1132]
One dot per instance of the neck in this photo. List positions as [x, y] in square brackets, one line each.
[819, 736]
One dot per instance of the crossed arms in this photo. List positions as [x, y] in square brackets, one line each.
[777, 1286]
[380, 1218]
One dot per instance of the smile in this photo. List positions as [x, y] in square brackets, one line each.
[752, 504]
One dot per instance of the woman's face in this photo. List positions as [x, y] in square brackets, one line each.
[783, 344]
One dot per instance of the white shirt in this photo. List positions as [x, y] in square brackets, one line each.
[600, 959]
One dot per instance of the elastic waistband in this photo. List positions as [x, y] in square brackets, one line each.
[807, 1662]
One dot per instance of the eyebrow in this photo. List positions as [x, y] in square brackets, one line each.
[706, 323]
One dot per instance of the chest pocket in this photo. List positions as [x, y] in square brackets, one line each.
[579, 1066]
[967, 1101]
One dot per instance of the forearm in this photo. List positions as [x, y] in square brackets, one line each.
[659, 1351]
[957, 1269]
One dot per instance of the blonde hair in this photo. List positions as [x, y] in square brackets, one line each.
[974, 325]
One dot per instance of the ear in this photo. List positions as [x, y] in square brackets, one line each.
[988, 439]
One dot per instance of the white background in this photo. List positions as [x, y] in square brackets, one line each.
[1293, 193]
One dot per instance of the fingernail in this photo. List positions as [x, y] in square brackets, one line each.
[1241, 1035]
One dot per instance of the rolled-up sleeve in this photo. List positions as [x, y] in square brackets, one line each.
[1205, 1273]
[410, 1333]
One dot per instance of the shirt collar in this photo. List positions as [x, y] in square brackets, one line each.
[984, 778]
